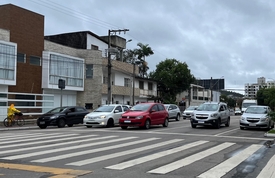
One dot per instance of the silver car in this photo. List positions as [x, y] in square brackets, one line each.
[256, 117]
[188, 112]
[173, 111]
[211, 114]
[106, 115]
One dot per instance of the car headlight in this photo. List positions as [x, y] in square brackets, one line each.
[264, 119]
[53, 117]
[139, 117]
[102, 117]
[214, 115]
[243, 118]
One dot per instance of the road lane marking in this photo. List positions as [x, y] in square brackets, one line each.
[54, 158]
[226, 132]
[39, 142]
[268, 171]
[190, 159]
[123, 153]
[144, 159]
[68, 173]
[66, 148]
[226, 166]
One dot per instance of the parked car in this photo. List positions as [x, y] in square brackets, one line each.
[238, 111]
[256, 117]
[188, 111]
[61, 116]
[106, 115]
[211, 114]
[173, 111]
[144, 115]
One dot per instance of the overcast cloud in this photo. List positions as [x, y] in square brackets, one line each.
[230, 38]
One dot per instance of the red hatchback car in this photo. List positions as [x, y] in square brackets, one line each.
[144, 115]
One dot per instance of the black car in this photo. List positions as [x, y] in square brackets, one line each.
[61, 116]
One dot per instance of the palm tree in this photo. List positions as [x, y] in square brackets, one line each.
[142, 52]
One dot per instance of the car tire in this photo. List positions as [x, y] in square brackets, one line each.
[193, 125]
[227, 124]
[89, 126]
[61, 123]
[166, 123]
[178, 117]
[124, 127]
[218, 124]
[42, 126]
[147, 124]
[110, 123]
[70, 125]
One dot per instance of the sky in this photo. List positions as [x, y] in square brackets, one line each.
[222, 39]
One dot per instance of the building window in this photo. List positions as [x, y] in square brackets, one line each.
[89, 70]
[35, 60]
[127, 82]
[89, 105]
[94, 47]
[150, 86]
[69, 69]
[24, 97]
[21, 57]
[7, 61]
[141, 85]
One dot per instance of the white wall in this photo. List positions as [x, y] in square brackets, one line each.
[102, 46]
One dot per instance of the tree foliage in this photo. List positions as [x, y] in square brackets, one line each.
[174, 77]
[230, 101]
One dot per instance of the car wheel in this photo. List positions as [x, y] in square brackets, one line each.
[70, 125]
[218, 124]
[110, 123]
[227, 123]
[42, 126]
[193, 125]
[61, 123]
[241, 128]
[147, 124]
[89, 126]
[124, 127]
[178, 117]
[166, 122]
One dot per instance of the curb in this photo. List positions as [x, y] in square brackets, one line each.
[269, 135]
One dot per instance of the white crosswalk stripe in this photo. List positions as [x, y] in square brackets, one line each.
[123, 153]
[45, 148]
[186, 161]
[137, 161]
[67, 148]
[221, 169]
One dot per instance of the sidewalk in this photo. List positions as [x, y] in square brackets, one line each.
[29, 123]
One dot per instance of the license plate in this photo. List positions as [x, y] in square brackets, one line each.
[201, 122]
[127, 121]
[42, 122]
[252, 124]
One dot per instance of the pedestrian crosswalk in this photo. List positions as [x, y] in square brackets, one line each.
[75, 150]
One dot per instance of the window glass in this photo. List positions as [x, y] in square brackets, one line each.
[89, 70]
[161, 108]
[21, 57]
[155, 107]
[35, 60]
[7, 61]
[127, 82]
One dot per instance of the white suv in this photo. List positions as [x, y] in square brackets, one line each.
[212, 114]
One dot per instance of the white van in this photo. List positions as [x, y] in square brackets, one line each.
[247, 102]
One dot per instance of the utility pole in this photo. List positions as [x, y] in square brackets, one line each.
[109, 63]
[134, 73]
[211, 87]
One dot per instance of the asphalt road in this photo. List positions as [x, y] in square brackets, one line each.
[172, 152]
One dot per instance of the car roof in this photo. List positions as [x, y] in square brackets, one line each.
[257, 106]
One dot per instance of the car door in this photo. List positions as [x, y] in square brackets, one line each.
[71, 116]
[117, 115]
[162, 114]
[80, 114]
[154, 114]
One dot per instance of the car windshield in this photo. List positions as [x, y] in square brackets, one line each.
[237, 109]
[141, 107]
[57, 110]
[191, 108]
[246, 105]
[256, 110]
[208, 107]
[104, 109]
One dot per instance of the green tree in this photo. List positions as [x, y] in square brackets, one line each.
[142, 52]
[174, 77]
[223, 98]
[231, 102]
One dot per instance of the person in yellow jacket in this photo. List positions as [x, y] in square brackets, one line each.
[13, 111]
